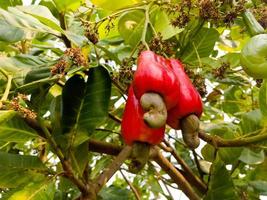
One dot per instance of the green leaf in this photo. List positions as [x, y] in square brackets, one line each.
[201, 45]
[131, 26]
[85, 105]
[43, 14]
[163, 25]
[5, 4]
[227, 155]
[72, 100]
[9, 33]
[97, 96]
[80, 158]
[220, 185]
[114, 193]
[263, 99]
[44, 190]
[14, 129]
[250, 157]
[231, 103]
[78, 40]
[251, 121]
[18, 19]
[259, 172]
[227, 131]
[68, 5]
[12, 178]
[232, 58]
[259, 186]
[100, 165]
[16, 161]
[114, 5]
[111, 55]
[37, 74]
[21, 64]
[18, 66]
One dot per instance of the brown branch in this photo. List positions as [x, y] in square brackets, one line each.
[136, 194]
[175, 175]
[112, 168]
[195, 180]
[104, 147]
[111, 149]
[220, 142]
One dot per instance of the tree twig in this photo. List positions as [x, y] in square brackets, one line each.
[175, 175]
[201, 186]
[115, 118]
[220, 142]
[112, 168]
[197, 164]
[135, 192]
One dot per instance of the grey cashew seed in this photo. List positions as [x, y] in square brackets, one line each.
[190, 128]
[155, 110]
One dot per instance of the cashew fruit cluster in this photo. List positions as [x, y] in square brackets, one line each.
[161, 93]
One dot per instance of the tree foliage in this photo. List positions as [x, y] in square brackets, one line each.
[65, 66]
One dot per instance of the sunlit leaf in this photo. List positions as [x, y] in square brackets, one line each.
[114, 5]
[251, 157]
[43, 14]
[9, 33]
[201, 45]
[39, 191]
[68, 5]
[163, 25]
[131, 27]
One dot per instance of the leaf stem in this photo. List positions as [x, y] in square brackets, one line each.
[8, 86]
[143, 38]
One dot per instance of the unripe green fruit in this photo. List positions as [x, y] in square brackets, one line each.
[254, 57]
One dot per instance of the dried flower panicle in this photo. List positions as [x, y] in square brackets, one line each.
[261, 15]
[59, 67]
[24, 111]
[197, 80]
[199, 83]
[162, 47]
[76, 56]
[125, 74]
[182, 12]
[209, 10]
[259, 82]
[221, 71]
[91, 31]
[72, 56]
